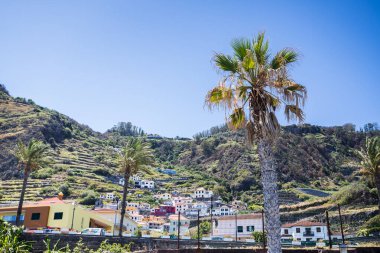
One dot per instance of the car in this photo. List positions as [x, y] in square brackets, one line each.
[217, 238]
[93, 231]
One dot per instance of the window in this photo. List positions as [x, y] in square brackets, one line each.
[286, 231]
[250, 228]
[298, 230]
[318, 229]
[12, 218]
[35, 216]
[240, 229]
[58, 216]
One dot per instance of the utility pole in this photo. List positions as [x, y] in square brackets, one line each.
[179, 227]
[328, 229]
[236, 229]
[211, 216]
[341, 224]
[264, 236]
[199, 245]
[72, 220]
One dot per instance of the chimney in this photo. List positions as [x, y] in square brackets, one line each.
[60, 196]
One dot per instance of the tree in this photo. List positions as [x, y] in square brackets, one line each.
[253, 88]
[371, 161]
[258, 236]
[30, 157]
[136, 156]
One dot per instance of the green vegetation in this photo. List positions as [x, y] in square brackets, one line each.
[258, 236]
[371, 226]
[30, 157]
[371, 162]
[10, 239]
[135, 157]
[252, 89]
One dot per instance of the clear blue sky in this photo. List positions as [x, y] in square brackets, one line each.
[149, 62]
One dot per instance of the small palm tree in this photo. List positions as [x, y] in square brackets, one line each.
[371, 161]
[30, 157]
[253, 88]
[136, 156]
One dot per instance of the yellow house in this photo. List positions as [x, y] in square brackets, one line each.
[69, 215]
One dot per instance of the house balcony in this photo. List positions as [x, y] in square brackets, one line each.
[308, 234]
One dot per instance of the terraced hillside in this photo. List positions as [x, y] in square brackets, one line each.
[308, 157]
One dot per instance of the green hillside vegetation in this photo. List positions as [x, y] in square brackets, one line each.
[84, 161]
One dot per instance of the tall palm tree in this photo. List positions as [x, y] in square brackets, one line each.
[136, 156]
[253, 87]
[371, 161]
[30, 157]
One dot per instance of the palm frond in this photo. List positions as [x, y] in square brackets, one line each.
[220, 95]
[283, 58]
[226, 63]
[240, 47]
[237, 118]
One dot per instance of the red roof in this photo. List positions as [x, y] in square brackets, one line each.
[304, 223]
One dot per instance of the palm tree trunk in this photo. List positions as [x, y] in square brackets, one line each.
[377, 183]
[123, 204]
[20, 203]
[271, 206]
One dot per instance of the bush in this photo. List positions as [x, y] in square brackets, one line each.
[354, 193]
[10, 239]
[258, 236]
[88, 198]
[42, 173]
[65, 189]
[102, 172]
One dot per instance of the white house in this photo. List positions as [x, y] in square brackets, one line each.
[305, 231]
[130, 226]
[223, 211]
[144, 206]
[193, 209]
[163, 196]
[184, 225]
[181, 207]
[134, 204]
[244, 224]
[202, 193]
[148, 184]
[136, 177]
[136, 217]
[186, 200]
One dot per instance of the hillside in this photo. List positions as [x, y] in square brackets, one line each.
[308, 157]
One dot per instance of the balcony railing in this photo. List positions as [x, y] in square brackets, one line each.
[308, 234]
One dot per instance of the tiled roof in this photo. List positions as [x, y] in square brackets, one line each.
[303, 224]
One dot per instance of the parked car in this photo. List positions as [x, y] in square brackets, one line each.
[217, 238]
[94, 231]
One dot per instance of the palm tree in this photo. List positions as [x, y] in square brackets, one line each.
[254, 86]
[30, 157]
[371, 161]
[136, 156]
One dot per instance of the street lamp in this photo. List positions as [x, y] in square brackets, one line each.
[72, 220]
[117, 207]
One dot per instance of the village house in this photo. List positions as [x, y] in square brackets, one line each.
[163, 196]
[113, 216]
[136, 217]
[192, 211]
[184, 225]
[202, 193]
[243, 224]
[147, 184]
[131, 210]
[305, 231]
[223, 211]
[179, 199]
[164, 210]
[56, 213]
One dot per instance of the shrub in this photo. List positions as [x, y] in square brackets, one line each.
[102, 172]
[42, 173]
[88, 198]
[258, 236]
[65, 189]
[10, 239]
